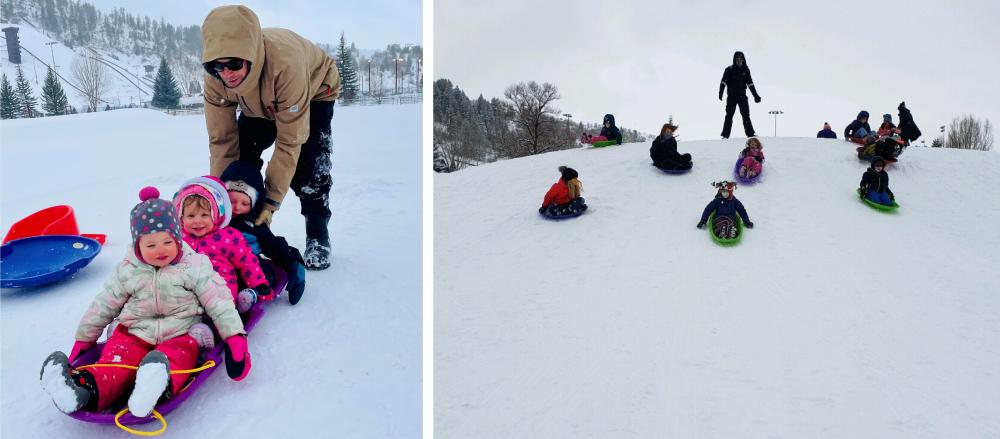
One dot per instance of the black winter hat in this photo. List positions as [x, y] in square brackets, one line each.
[249, 173]
[609, 118]
[568, 173]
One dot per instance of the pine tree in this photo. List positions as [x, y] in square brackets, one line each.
[54, 100]
[25, 96]
[348, 70]
[8, 100]
[166, 94]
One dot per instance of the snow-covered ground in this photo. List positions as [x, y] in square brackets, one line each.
[829, 320]
[344, 362]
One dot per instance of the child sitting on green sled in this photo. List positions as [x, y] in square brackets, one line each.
[726, 207]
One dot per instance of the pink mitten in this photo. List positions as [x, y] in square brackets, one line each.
[237, 357]
[80, 347]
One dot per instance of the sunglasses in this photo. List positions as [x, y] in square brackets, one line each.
[233, 64]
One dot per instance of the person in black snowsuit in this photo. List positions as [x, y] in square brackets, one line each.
[875, 183]
[664, 150]
[737, 78]
[610, 130]
[243, 177]
[909, 130]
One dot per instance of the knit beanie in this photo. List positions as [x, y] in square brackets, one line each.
[152, 215]
[211, 189]
[244, 188]
[568, 173]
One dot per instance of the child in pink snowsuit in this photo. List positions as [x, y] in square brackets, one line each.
[205, 213]
[753, 158]
[158, 292]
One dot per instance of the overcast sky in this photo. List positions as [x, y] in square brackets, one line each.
[370, 24]
[645, 60]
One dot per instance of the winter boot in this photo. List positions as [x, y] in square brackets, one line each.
[296, 283]
[151, 382]
[70, 391]
[317, 255]
[203, 335]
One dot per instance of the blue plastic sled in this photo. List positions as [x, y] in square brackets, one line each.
[41, 260]
[676, 171]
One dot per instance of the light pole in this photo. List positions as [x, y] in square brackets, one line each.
[397, 60]
[775, 113]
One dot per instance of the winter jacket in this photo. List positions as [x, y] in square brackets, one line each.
[160, 304]
[557, 195]
[260, 238]
[725, 207]
[664, 153]
[756, 153]
[826, 134]
[229, 253]
[611, 132]
[908, 129]
[887, 129]
[286, 73]
[737, 79]
[875, 181]
[854, 127]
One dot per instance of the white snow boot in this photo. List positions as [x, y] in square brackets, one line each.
[151, 381]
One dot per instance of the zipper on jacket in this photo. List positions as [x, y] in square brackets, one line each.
[156, 300]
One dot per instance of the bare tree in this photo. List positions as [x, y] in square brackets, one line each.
[533, 114]
[968, 132]
[93, 78]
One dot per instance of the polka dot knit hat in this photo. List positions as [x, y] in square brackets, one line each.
[153, 215]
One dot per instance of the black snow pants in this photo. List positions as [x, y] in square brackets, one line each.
[731, 103]
[311, 181]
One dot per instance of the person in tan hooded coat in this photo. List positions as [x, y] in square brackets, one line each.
[285, 88]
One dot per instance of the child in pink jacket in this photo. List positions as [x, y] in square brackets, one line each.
[753, 158]
[158, 292]
[205, 213]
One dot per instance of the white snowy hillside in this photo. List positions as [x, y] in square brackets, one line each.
[129, 81]
[344, 362]
[829, 320]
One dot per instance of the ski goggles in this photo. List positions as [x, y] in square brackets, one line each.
[233, 65]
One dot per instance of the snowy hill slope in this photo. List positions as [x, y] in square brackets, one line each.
[126, 87]
[344, 362]
[830, 319]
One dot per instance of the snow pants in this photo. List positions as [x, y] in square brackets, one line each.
[880, 197]
[750, 167]
[127, 349]
[312, 181]
[731, 103]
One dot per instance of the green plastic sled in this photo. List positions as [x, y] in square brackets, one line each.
[878, 206]
[603, 143]
[725, 241]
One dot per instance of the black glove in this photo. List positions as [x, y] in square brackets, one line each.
[749, 224]
[756, 98]
[701, 225]
[720, 96]
[541, 210]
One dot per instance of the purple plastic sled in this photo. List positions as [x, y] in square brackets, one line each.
[165, 406]
[745, 180]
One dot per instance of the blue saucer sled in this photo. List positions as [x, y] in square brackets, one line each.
[41, 260]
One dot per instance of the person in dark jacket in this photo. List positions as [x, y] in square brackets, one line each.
[737, 78]
[664, 150]
[908, 129]
[245, 186]
[826, 132]
[726, 207]
[610, 131]
[859, 129]
[875, 183]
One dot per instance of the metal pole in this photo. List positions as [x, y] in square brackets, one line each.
[53, 52]
[775, 113]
